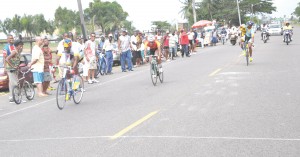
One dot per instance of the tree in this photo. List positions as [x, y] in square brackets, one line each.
[162, 25]
[297, 10]
[26, 22]
[16, 24]
[6, 26]
[106, 15]
[66, 20]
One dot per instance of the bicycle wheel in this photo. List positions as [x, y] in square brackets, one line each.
[161, 76]
[247, 56]
[29, 90]
[103, 67]
[78, 89]
[153, 73]
[61, 94]
[17, 94]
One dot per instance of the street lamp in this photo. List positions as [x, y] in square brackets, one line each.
[238, 6]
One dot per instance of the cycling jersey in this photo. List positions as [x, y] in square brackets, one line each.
[152, 45]
[67, 58]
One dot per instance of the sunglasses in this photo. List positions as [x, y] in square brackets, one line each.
[45, 46]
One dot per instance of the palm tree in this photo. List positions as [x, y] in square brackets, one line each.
[187, 9]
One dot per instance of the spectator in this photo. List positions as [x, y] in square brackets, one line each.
[195, 38]
[166, 45]
[85, 69]
[101, 43]
[91, 58]
[124, 47]
[108, 48]
[176, 39]
[184, 42]
[47, 63]
[9, 47]
[172, 45]
[136, 41]
[12, 63]
[191, 40]
[37, 63]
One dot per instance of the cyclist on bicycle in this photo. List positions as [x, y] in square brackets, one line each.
[69, 57]
[248, 36]
[154, 46]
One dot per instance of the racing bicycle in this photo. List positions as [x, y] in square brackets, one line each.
[155, 71]
[70, 86]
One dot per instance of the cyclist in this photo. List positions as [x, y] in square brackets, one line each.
[242, 35]
[154, 46]
[249, 36]
[288, 27]
[69, 57]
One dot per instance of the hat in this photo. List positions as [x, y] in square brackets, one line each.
[167, 31]
[110, 35]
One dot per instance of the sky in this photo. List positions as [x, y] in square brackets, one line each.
[141, 12]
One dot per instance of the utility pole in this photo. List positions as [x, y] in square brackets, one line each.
[82, 19]
[238, 6]
[194, 11]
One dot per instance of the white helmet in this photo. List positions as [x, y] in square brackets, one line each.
[151, 38]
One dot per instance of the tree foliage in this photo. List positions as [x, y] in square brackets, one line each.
[297, 10]
[66, 20]
[162, 25]
[106, 15]
[226, 10]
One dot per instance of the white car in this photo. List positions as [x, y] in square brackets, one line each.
[274, 29]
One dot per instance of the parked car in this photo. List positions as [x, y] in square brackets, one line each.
[274, 29]
[3, 74]
[24, 60]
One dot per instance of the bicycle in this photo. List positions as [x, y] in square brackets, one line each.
[101, 64]
[246, 50]
[69, 87]
[23, 85]
[155, 71]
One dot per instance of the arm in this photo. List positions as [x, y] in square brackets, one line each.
[8, 58]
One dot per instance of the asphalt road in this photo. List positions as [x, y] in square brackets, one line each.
[210, 104]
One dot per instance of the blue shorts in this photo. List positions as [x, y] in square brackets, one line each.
[38, 77]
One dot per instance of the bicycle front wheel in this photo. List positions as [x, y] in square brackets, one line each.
[17, 94]
[78, 89]
[61, 94]
[29, 90]
[153, 73]
[161, 75]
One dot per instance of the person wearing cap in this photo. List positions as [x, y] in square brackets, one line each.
[12, 63]
[125, 47]
[108, 48]
[288, 27]
[37, 63]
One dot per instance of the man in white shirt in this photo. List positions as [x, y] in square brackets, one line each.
[37, 63]
[173, 45]
[91, 58]
[108, 47]
[124, 47]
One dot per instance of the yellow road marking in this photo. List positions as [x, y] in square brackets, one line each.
[122, 132]
[215, 72]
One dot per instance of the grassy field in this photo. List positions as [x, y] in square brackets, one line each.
[26, 47]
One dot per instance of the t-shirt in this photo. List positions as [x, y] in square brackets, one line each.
[184, 39]
[172, 41]
[8, 48]
[38, 54]
[92, 46]
[133, 42]
[108, 46]
[125, 43]
[166, 40]
[191, 35]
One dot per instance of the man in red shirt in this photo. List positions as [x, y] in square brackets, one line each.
[184, 42]
[166, 45]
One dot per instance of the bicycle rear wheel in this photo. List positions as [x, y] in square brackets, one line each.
[29, 90]
[153, 73]
[17, 94]
[78, 89]
[61, 94]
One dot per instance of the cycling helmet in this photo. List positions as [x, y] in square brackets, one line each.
[151, 38]
[67, 43]
[249, 23]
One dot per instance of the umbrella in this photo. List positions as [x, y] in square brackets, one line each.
[201, 23]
